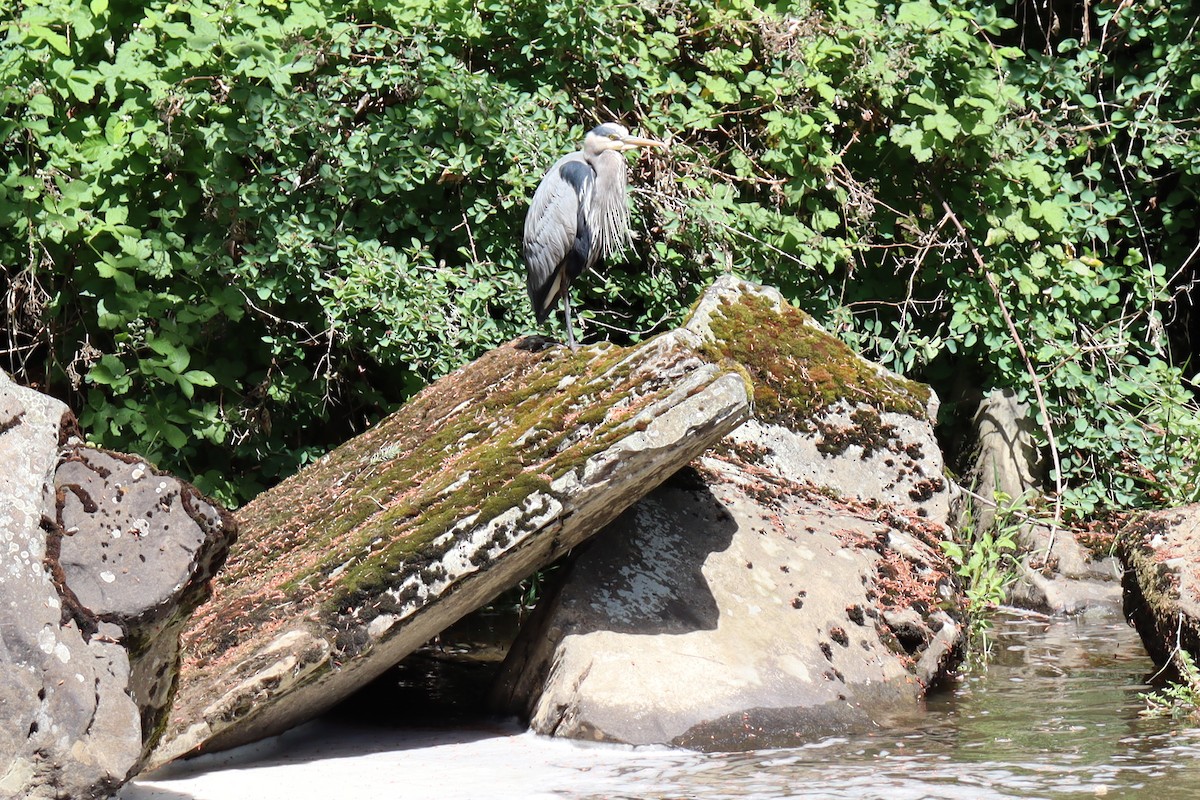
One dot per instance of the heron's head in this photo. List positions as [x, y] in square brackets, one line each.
[611, 136]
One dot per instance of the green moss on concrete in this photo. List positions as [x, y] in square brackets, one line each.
[799, 370]
[373, 512]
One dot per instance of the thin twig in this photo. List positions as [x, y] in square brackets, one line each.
[1010, 508]
[1187, 262]
[1170, 659]
[926, 246]
[683, 208]
[1037, 384]
[312, 338]
[629, 331]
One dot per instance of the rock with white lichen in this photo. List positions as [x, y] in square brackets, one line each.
[482, 478]
[788, 586]
[105, 557]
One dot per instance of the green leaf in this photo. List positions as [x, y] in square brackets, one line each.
[945, 124]
[83, 90]
[917, 141]
[55, 40]
[200, 377]
[173, 434]
[919, 15]
[1054, 214]
[94, 148]
[108, 269]
[110, 371]
[42, 105]
[176, 356]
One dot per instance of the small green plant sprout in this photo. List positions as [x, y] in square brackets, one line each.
[987, 561]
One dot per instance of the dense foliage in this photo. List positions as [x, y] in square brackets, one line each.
[232, 234]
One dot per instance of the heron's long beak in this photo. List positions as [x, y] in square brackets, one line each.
[636, 141]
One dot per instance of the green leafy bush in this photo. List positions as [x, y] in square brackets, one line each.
[235, 233]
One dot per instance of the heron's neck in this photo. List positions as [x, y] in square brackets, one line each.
[612, 212]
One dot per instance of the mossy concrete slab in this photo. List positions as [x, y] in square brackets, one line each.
[822, 413]
[792, 588]
[1161, 554]
[484, 477]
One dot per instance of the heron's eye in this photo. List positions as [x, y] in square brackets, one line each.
[613, 136]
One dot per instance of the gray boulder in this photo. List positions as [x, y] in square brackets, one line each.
[1057, 574]
[106, 558]
[485, 476]
[790, 586]
[823, 414]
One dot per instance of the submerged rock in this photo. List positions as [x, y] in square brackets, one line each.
[106, 559]
[790, 587]
[1161, 554]
[484, 477]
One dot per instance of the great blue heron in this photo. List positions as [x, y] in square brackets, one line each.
[578, 214]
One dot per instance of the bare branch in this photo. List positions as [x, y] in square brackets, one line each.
[1033, 376]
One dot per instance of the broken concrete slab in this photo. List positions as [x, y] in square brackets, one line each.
[485, 476]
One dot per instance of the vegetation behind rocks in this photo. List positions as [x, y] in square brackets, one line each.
[233, 234]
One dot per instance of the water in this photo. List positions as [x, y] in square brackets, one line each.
[1054, 715]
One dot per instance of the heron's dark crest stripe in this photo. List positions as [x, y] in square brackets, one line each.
[579, 176]
[608, 129]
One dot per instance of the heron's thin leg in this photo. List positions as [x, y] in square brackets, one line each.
[567, 320]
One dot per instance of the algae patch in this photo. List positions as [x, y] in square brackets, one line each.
[799, 370]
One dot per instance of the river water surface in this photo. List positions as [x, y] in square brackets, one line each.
[1054, 714]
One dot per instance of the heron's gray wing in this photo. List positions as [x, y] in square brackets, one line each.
[556, 232]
